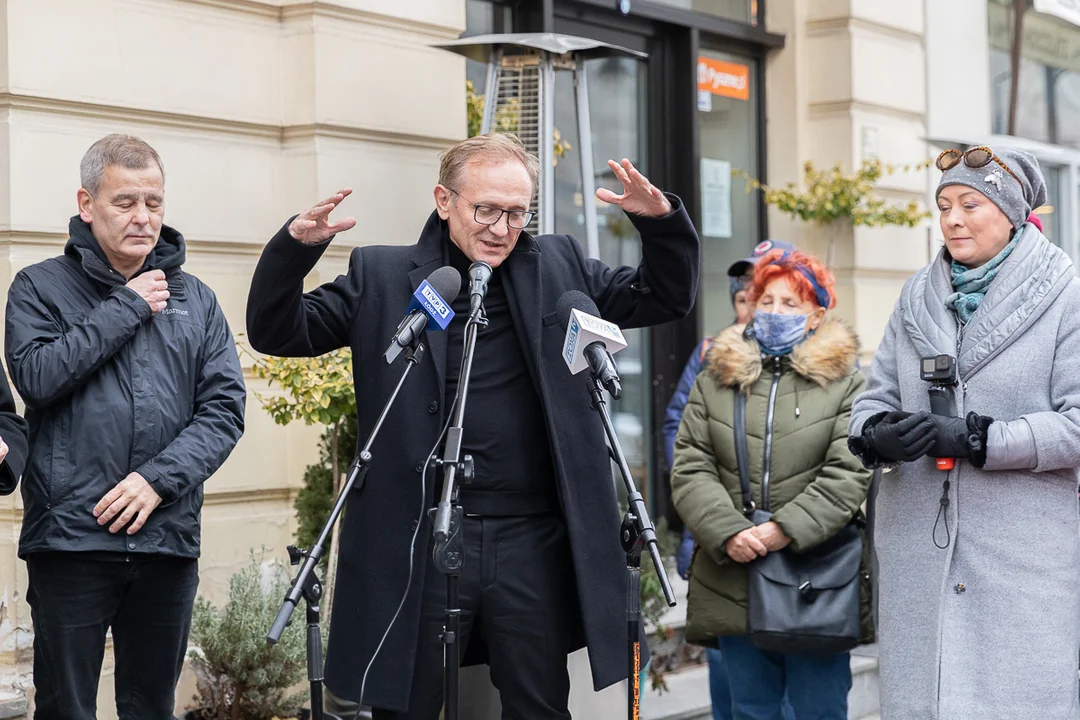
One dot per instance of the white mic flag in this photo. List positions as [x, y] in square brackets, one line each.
[583, 330]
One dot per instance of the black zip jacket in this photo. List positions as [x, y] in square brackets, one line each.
[111, 389]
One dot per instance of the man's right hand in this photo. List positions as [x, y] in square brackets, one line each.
[902, 436]
[152, 288]
[313, 226]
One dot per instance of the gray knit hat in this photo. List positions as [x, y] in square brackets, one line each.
[1015, 196]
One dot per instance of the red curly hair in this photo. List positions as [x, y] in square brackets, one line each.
[786, 264]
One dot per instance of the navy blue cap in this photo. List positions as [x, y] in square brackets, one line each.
[742, 267]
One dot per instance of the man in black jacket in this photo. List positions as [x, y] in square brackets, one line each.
[543, 570]
[134, 396]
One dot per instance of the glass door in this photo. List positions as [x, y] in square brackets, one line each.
[728, 125]
[617, 107]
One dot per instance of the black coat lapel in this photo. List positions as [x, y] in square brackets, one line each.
[428, 257]
[525, 298]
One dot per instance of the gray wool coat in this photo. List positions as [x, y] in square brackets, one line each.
[987, 628]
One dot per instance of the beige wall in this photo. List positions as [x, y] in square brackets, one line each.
[258, 108]
[850, 84]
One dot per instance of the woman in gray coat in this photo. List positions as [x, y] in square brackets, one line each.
[979, 602]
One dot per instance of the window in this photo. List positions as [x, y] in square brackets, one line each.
[744, 11]
[729, 227]
[1048, 100]
[483, 17]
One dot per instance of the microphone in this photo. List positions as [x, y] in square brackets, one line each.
[590, 341]
[428, 309]
[479, 275]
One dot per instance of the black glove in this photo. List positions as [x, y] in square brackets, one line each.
[894, 437]
[961, 437]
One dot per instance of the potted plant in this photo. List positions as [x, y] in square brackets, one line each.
[318, 390]
[239, 676]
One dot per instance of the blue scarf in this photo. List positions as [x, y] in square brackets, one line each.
[971, 285]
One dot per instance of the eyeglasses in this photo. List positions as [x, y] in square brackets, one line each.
[488, 215]
[976, 157]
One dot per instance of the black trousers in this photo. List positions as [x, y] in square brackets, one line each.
[517, 590]
[74, 600]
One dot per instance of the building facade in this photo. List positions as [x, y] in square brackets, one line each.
[261, 107]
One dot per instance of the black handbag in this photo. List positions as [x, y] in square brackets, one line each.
[800, 602]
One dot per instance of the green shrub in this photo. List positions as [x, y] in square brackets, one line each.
[239, 676]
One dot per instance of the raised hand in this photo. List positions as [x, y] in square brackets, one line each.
[152, 287]
[314, 226]
[639, 196]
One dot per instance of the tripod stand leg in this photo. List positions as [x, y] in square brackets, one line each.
[633, 638]
[315, 660]
[451, 653]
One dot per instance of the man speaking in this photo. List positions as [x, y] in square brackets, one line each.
[544, 573]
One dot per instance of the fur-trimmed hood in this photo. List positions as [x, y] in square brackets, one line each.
[827, 356]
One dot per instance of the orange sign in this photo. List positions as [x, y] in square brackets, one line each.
[723, 78]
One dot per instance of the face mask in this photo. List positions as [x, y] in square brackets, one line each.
[778, 333]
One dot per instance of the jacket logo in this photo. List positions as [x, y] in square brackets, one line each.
[174, 311]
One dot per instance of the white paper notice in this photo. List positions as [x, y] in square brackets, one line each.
[704, 100]
[715, 198]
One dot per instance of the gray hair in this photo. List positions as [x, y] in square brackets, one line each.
[126, 151]
[493, 146]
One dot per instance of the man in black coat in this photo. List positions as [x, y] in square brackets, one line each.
[544, 572]
[13, 439]
[134, 396]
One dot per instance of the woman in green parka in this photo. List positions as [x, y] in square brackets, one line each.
[798, 370]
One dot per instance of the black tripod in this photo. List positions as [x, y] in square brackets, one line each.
[449, 551]
[306, 583]
[637, 530]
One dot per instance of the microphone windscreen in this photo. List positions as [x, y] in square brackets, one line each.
[573, 300]
[447, 282]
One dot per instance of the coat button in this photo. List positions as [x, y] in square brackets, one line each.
[413, 525]
[131, 546]
[960, 589]
[420, 466]
[433, 407]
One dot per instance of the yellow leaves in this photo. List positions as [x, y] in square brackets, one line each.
[507, 119]
[831, 195]
[316, 390]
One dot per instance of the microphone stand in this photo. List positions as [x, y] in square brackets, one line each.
[306, 584]
[636, 531]
[449, 551]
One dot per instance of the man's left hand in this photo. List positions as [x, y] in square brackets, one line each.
[132, 498]
[639, 197]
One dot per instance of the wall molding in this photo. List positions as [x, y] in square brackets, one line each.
[321, 8]
[847, 25]
[12, 513]
[839, 107]
[204, 124]
[15, 237]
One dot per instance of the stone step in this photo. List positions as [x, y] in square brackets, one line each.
[688, 698]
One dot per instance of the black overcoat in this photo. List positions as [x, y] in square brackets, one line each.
[361, 310]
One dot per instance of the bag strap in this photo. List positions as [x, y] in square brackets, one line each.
[742, 454]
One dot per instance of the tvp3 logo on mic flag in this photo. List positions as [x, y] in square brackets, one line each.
[583, 330]
[437, 309]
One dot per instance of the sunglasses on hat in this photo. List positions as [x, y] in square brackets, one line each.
[976, 157]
